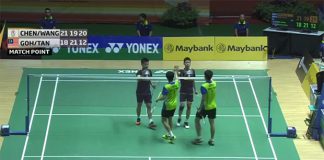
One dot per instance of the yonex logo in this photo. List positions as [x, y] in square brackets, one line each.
[169, 48]
[56, 50]
[220, 48]
[114, 47]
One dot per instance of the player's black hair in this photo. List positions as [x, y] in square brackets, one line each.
[143, 60]
[170, 76]
[186, 59]
[208, 74]
[47, 9]
[143, 15]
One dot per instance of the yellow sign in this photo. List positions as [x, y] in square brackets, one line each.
[241, 48]
[197, 48]
[310, 78]
[215, 48]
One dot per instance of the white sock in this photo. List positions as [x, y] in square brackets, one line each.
[151, 120]
[171, 134]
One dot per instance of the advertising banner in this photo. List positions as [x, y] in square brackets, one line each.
[241, 48]
[197, 48]
[113, 48]
[215, 48]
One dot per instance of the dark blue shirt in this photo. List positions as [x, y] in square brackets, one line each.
[241, 28]
[187, 85]
[144, 29]
[143, 86]
[48, 23]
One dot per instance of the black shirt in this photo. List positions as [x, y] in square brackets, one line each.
[143, 86]
[187, 85]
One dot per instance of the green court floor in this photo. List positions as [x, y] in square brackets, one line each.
[94, 118]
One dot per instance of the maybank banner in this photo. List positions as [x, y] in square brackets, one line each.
[215, 48]
[197, 48]
[241, 48]
[113, 48]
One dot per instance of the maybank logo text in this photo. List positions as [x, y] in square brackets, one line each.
[169, 48]
[232, 48]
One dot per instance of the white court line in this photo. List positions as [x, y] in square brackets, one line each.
[245, 120]
[49, 118]
[133, 74]
[133, 115]
[32, 117]
[106, 80]
[152, 157]
[263, 121]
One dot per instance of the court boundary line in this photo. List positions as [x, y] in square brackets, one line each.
[132, 115]
[121, 80]
[49, 118]
[263, 121]
[32, 117]
[157, 115]
[245, 120]
[152, 157]
[133, 74]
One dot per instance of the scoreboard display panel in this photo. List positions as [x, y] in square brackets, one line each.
[295, 22]
[310, 22]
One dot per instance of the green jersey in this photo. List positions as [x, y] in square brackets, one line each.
[209, 89]
[170, 90]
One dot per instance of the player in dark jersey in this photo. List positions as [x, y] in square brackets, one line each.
[143, 92]
[186, 91]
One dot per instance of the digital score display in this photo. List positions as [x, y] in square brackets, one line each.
[298, 22]
[307, 22]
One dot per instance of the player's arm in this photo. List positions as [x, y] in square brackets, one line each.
[203, 98]
[138, 74]
[176, 71]
[194, 85]
[202, 102]
[162, 96]
[151, 83]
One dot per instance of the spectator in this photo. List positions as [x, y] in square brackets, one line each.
[143, 27]
[242, 27]
[48, 22]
